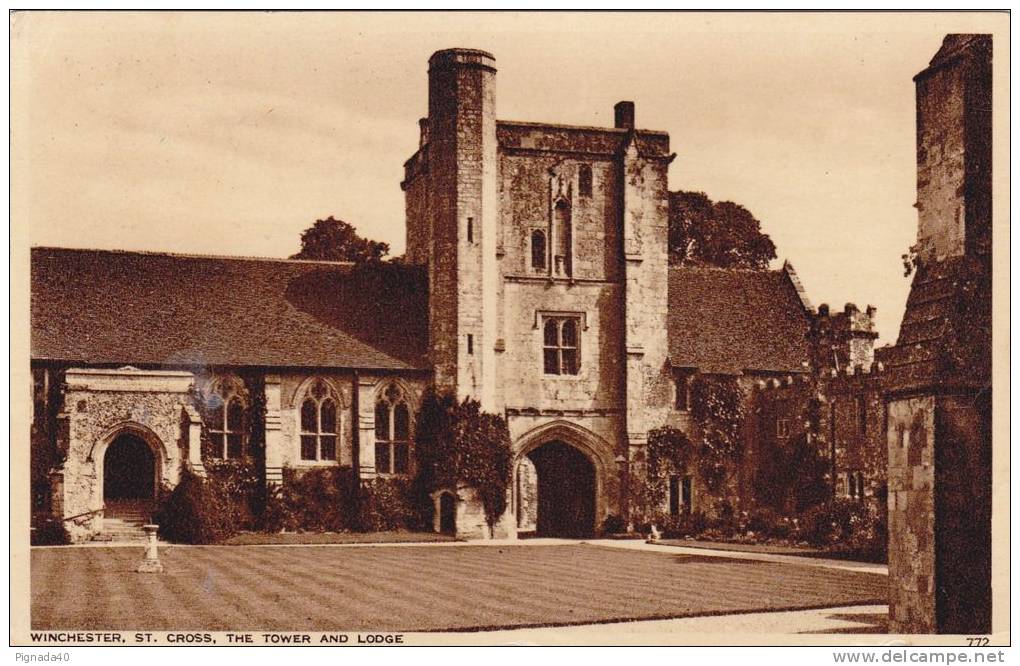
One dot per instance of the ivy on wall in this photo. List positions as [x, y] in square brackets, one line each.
[669, 452]
[457, 443]
[717, 405]
[718, 410]
[255, 384]
[47, 399]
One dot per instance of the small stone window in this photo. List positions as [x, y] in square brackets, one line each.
[319, 424]
[226, 413]
[682, 385]
[584, 180]
[538, 251]
[392, 432]
[862, 416]
[782, 428]
[561, 346]
[680, 494]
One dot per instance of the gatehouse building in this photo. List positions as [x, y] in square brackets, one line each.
[535, 280]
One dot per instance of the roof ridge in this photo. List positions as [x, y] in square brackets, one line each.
[189, 255]
[721, 269]
[614, 130]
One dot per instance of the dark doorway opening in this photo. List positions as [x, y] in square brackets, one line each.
[447, 514]
[129, 470]
[566, 491]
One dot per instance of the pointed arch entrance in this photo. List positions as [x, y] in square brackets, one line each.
[565, 489]
[130, 461]
[562, 476]
[129, 470]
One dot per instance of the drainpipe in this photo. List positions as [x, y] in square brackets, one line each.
[832, 444]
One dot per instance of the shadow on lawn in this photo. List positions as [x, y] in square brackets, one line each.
[714, 559]
[868, 623]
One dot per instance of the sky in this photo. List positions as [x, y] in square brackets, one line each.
[231, 133]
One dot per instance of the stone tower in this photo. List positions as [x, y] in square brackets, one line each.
[937, 380]
[954, 150]
[545, 246]
[844, 340]
[456, 236]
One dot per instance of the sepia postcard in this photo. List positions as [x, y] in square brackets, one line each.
[492, 328]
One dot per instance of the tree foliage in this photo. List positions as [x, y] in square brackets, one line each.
[723, 234]
[336, 240]
[457, 443]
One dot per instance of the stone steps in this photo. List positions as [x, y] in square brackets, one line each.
[139, 519]
[123, 522]
[120, 538]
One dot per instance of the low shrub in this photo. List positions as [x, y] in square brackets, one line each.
[315, 500]
[843, 524]
[769, 523]
[783, 529]
[240, 484]
[613, 525]
[683, 525]
[197, 511]
[388, 504]
[761, 521]
[726, 522]
[50, 532]
[868, 537]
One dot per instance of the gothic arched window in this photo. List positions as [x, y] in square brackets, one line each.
[392, 432]
[320, 423]
[226, 413]
[538, 251]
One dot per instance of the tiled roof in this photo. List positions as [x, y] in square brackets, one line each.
[94, 306]
[728, 321]
[945, 333]
[108, 307]
[954, 44]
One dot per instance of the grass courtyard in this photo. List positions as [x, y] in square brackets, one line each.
[415, 588]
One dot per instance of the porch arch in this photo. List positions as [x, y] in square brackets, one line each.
[160, 456]
[596, 450]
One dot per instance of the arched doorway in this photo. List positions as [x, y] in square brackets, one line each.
[447, 513]
[129, 471]
[566, 491]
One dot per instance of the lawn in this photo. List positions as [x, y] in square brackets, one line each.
[415, 588]
[298, 538]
